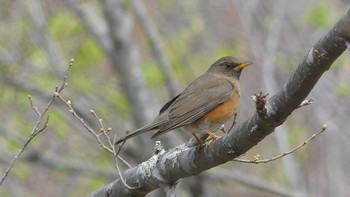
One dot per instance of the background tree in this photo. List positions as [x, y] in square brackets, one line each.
[115, 53]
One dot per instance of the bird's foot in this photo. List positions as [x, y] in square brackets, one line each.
[199, 140]
[212, 135]
[211, 138]
[202, 140]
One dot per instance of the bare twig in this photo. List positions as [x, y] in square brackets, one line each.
[35, 132]
[109, 147]
[103, 130]
[306, 102]
[222, 128]
[256, 157]
[81, 120]
[37, 129]
[121, 175]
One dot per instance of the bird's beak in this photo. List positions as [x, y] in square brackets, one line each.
[243, 65]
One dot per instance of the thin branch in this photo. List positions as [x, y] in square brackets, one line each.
[36, 129]
[34, 133]
[256, 157]
[109, 147]
[121, 174]
[81, 120]
[103, 130]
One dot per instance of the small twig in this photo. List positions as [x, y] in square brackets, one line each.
[256, 157]
[36, 130]
[103, 130]
[117, 156]
[81, 120]
[65, 84]
[120, 148]
[222, 128]
[306, 102]
[109, 147]
[34, 133]
[122, 144]
[121, 176]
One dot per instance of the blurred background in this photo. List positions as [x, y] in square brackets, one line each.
[132, 57]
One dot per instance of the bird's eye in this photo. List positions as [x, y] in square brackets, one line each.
[228, 65]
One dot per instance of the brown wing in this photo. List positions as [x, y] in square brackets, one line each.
[168, 104]
[195, 101]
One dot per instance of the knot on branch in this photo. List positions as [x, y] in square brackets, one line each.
[260, 102]
[158, 148]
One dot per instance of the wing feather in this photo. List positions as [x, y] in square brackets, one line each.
[195, 101]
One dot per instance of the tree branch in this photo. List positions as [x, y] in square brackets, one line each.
[256, 160]
[44, 39]
[37, 128]
[182, 161]
[156, 45]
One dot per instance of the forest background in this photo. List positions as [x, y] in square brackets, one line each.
[131, 59]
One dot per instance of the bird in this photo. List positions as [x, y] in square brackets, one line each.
[204, 105]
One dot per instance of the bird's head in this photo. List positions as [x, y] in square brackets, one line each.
[229, 66]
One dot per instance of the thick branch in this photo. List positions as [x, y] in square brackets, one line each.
[113, 31]
[156, 45]
[124, 57]
[44, 39]
[181, 161]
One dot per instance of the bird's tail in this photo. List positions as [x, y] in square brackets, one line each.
[136, 132]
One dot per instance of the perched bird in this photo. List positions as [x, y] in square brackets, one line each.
[206, 104]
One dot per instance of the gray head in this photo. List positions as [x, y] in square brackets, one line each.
[228, 66]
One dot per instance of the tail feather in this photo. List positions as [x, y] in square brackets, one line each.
[136, 132]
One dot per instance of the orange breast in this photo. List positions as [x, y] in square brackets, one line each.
[222, 112]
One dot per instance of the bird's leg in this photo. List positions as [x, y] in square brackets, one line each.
[199, 141]
[212, 137]
[233, 122]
